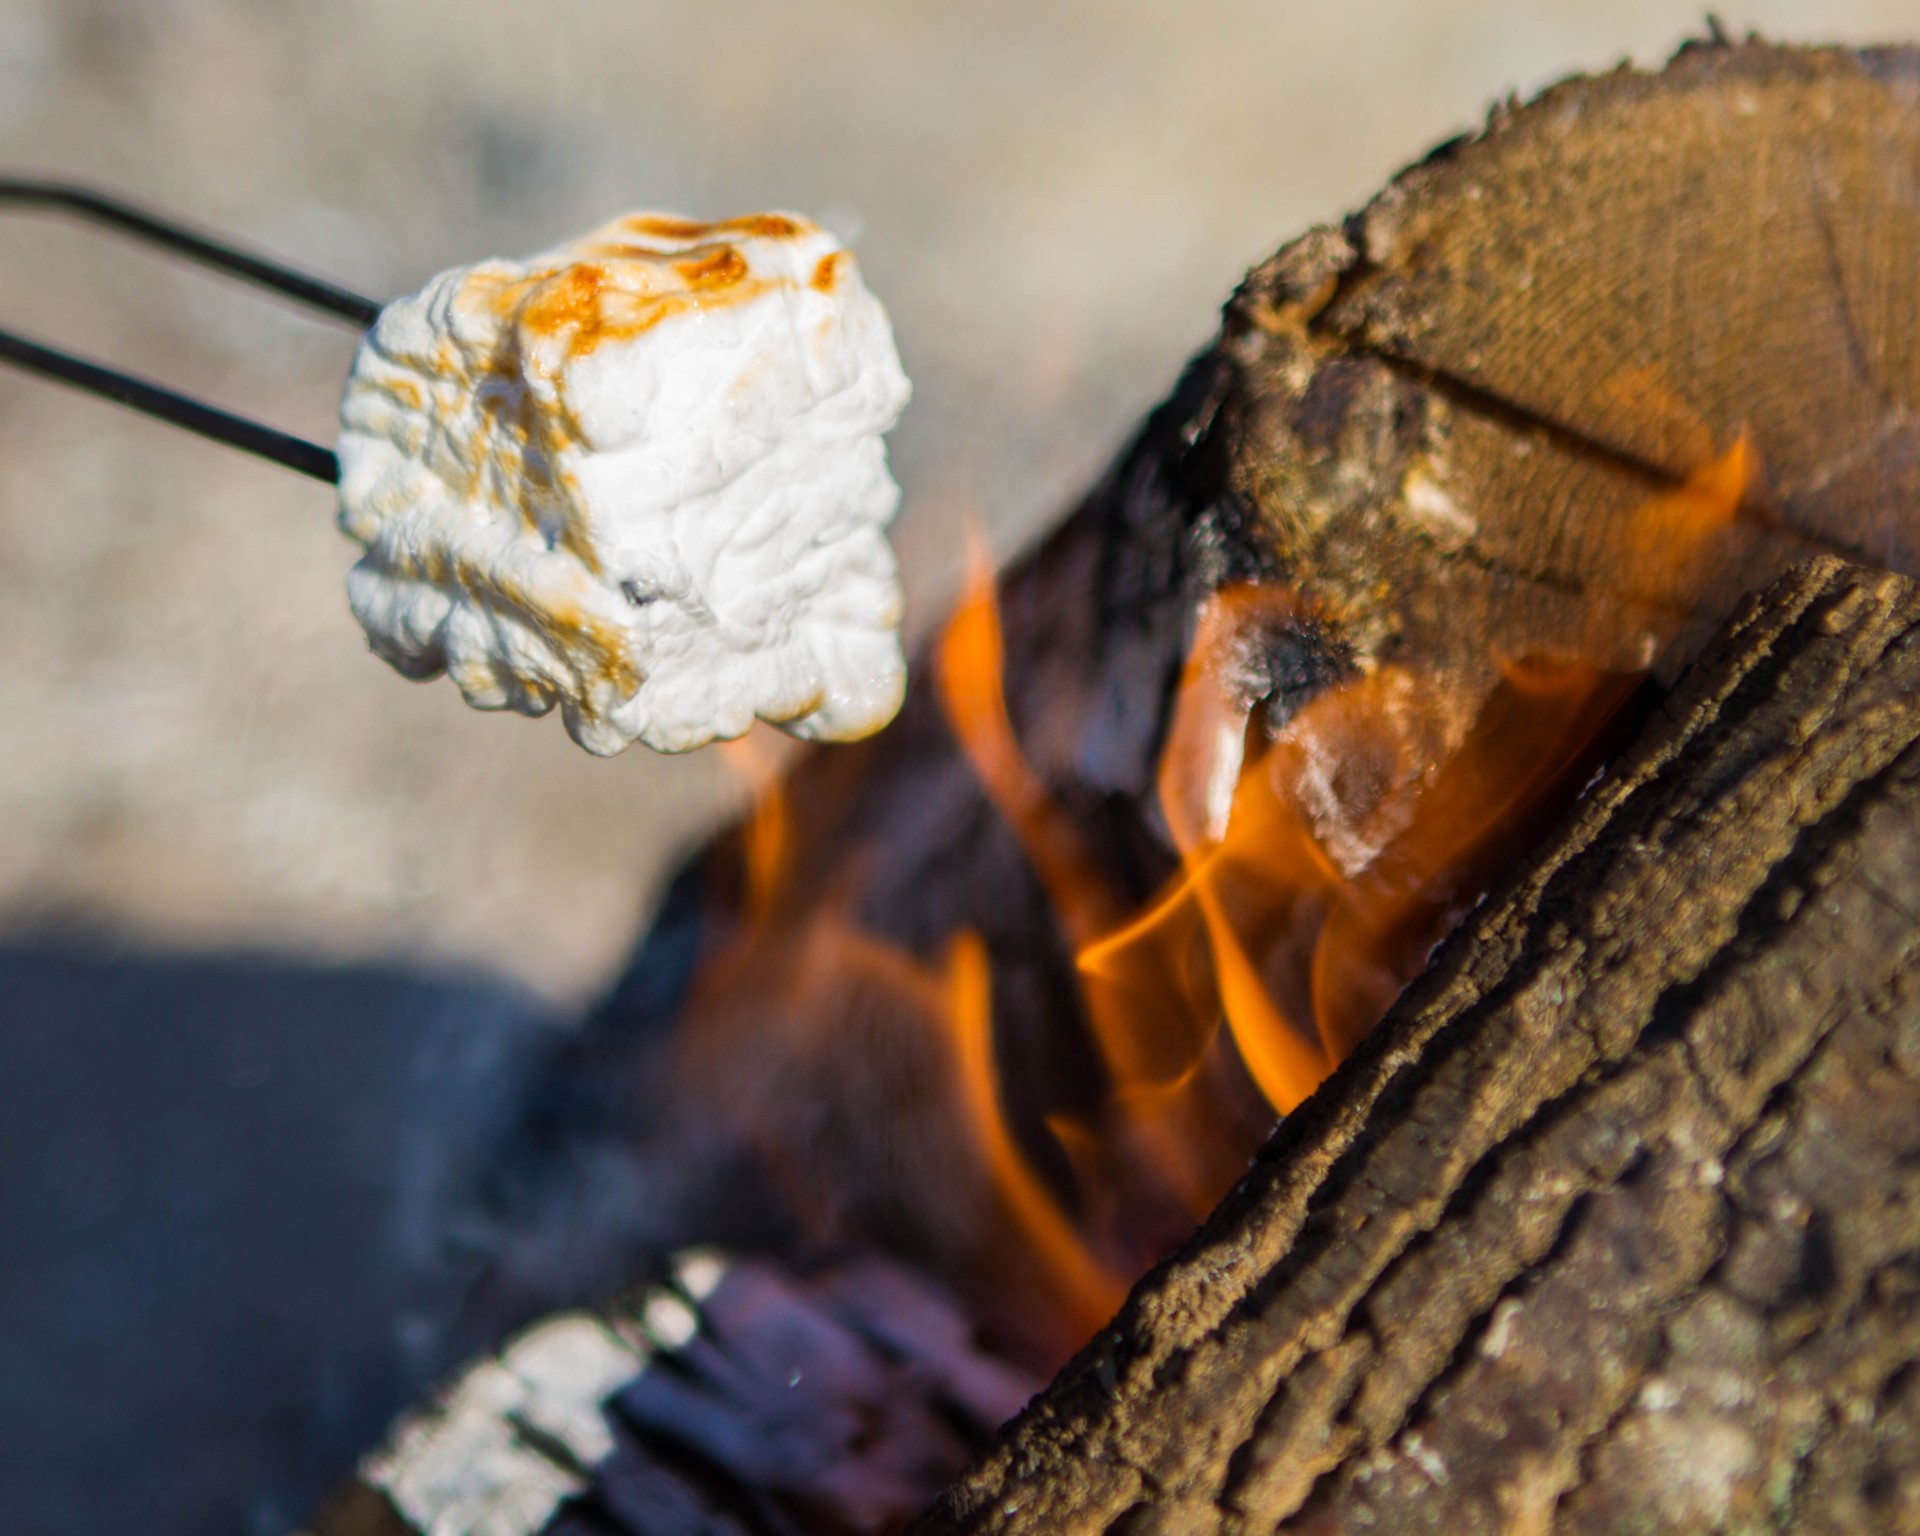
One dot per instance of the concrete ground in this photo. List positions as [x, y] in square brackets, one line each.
[221, 820]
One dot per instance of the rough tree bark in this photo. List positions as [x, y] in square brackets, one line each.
[1614, 1225]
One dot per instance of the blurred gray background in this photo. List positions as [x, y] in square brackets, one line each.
[1053, 199]
[251, 882]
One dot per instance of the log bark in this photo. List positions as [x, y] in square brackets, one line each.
[1614, 1225]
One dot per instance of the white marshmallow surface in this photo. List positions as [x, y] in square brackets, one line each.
[641, 477]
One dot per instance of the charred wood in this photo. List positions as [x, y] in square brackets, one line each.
[731, 1398]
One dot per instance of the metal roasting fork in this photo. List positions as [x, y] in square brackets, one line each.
[32, 196]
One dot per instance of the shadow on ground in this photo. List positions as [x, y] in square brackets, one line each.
[237, 1222]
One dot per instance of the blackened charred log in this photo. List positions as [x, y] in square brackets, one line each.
[732, 1397]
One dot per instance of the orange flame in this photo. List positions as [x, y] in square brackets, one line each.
[804, 979]
[1092, 1289]
[1316, 871]
[767, 837]
[967, 675]
[1674, 546]
[1149, 1057]
[1317, 867]
[1535, 728]
[1321, 854]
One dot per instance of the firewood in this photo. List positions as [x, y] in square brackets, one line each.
[1565, 391]
[1614, 1224]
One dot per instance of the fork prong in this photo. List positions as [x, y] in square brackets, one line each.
[169, 406]
[33, 195]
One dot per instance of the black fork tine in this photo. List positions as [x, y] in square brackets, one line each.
[157, 400]
[173, 407]
[34, 196]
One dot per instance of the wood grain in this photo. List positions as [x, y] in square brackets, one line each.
[1448, 413]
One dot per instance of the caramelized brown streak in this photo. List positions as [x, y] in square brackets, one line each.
[721, 267]
[759, 226]
[568, 625]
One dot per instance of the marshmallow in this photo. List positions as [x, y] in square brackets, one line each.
[641, 477]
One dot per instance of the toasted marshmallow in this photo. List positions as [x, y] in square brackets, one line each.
[640, 477]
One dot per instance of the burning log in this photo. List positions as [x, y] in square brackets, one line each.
[1614, 1224]
[1338, 638]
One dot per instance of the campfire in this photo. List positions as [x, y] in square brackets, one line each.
[1321, 834]
[1012, 996]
